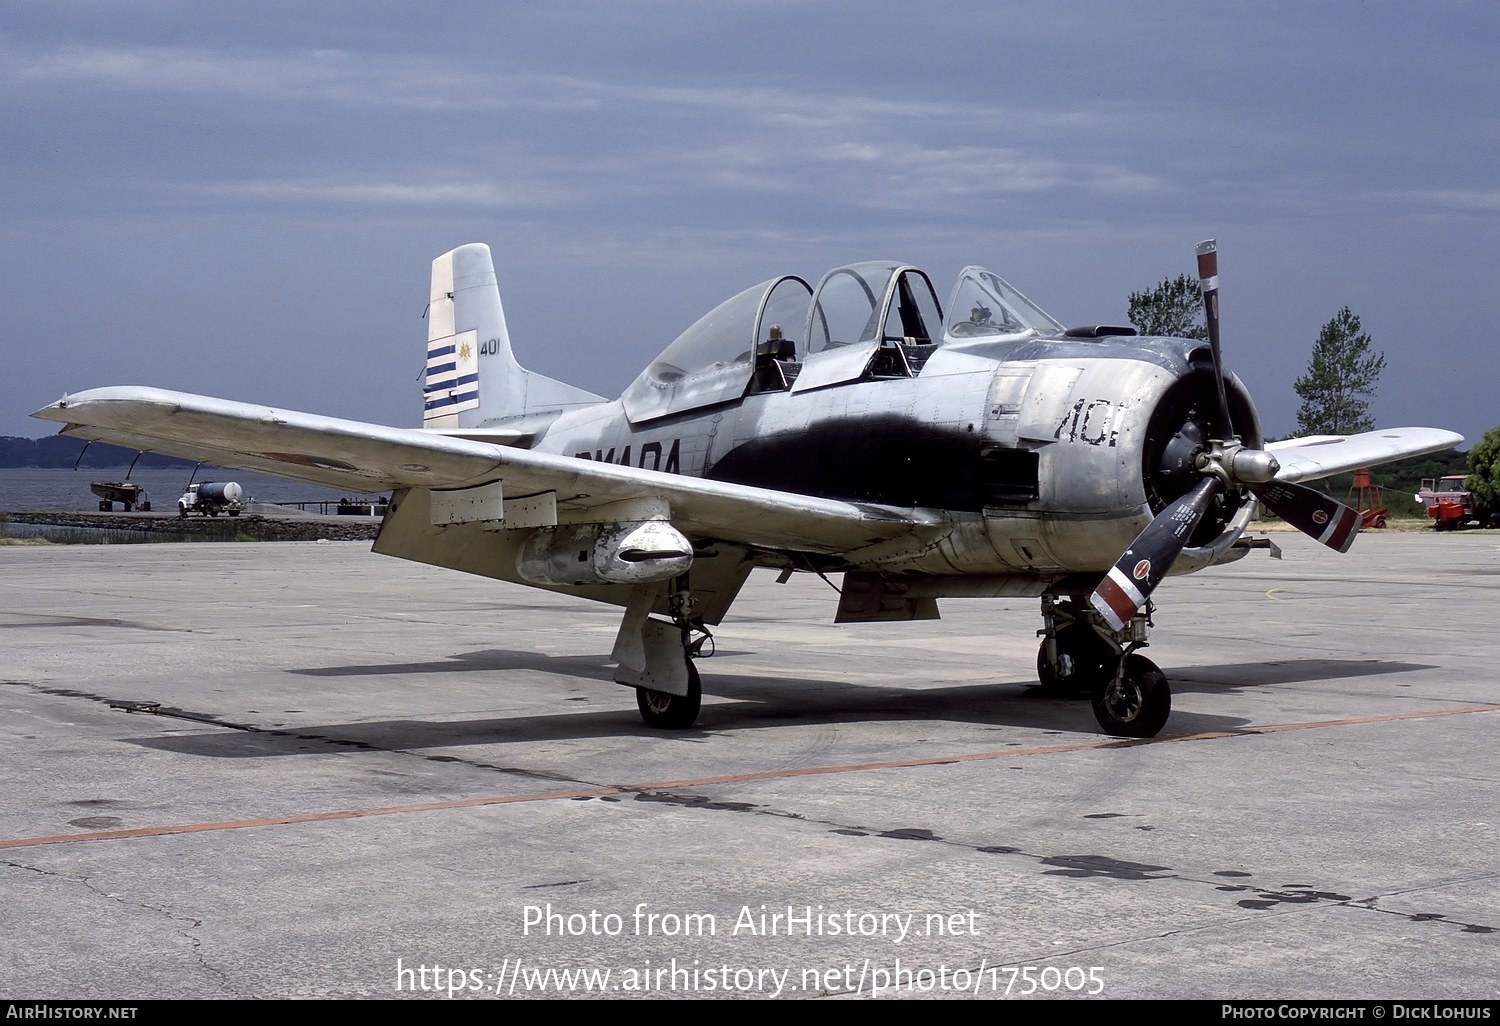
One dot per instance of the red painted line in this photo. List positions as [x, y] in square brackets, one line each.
[1276, 728]
[309, 817]
[729, 778]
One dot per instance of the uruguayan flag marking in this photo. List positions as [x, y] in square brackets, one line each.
[452, 383]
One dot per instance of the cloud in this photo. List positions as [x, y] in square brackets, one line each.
[334, 76]
[1463, 199]
[447, 194]
[894, 175]
[422, 81]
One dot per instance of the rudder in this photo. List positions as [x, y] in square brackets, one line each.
[472, 377]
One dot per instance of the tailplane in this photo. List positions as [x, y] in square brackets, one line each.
[473, 379]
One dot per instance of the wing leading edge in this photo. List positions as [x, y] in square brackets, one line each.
[370, 457]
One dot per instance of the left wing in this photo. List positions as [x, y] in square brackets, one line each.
[370, 457]
[1319, 456]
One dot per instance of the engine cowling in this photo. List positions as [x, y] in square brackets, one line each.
[632, 552]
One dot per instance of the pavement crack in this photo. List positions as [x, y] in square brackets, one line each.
[183, 925]
[1370, 905]
[34, 869]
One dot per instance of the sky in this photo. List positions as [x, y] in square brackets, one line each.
[244, 200]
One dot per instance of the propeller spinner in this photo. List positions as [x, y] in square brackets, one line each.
[1225, 463]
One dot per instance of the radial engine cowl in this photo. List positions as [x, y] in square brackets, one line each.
[634, 552]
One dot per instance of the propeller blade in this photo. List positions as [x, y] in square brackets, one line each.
[1314, 514]
[1129, 583]
[1208, 281]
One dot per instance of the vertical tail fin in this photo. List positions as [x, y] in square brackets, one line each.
[473, 379]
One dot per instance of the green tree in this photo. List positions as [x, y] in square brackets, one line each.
[1340, 380]
[1484, 473]
[1175, 308]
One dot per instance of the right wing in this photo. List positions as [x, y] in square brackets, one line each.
[364, 457]
[1320, 456]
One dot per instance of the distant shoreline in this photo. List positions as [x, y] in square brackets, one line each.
[55, 452]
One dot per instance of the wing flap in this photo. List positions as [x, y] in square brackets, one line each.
[370, 457]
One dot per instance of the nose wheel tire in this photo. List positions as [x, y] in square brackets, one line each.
[1137, 703]
[665, 711]
[1086, 661]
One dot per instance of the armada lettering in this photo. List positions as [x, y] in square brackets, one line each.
[672, 464]
[654, 448]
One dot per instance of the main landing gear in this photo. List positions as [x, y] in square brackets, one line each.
[672, 712]
[664, 710]
[1080, 655]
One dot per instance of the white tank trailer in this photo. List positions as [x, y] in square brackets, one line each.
[211, 498]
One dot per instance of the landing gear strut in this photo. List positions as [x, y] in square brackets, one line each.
[1080, 654]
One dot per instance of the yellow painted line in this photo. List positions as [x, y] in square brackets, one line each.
[730, 778]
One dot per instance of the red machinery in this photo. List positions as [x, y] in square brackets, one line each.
[1366, 496]
[1448, 502]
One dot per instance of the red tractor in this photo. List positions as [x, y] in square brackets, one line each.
[1448, 502]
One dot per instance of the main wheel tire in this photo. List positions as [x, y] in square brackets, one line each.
[1093, 663]
[1138, 704]
[671, 712]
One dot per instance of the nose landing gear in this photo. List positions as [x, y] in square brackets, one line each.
[1080, 654]
[1136, 702]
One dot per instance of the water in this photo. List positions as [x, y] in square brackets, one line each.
[56, 488]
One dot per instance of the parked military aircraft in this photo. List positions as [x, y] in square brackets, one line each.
[852, 428]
